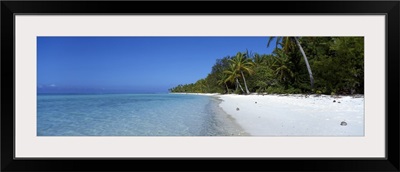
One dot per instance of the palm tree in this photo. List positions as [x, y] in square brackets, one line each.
[223, 80]
[258, 59]
[233, 75]
[281, 67]
[201, 86]
[287, 41]
[243, 64]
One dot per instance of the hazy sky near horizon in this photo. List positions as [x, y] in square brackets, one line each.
[132, 64]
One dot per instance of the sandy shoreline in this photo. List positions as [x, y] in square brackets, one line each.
[200, 94]
[296, 115]
[224, 123]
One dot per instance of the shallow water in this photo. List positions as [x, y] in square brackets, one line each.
[132, 115]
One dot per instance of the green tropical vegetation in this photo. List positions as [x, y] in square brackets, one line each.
[298, 65]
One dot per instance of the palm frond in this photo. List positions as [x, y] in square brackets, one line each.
[270, 40]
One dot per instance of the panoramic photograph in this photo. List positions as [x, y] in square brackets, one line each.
[239, 86]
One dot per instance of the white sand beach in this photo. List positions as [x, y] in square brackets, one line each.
[296, 115]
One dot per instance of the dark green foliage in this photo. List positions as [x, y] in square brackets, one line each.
[337, 64]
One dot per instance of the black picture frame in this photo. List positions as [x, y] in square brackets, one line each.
[9, 8]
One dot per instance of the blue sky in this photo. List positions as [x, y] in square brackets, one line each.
[132, 64]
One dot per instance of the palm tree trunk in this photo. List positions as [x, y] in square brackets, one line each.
[245, 85]
[305, 59]
[227, 89]
[237, 81]
[237, 86]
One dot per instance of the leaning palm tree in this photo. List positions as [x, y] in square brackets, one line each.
[287, 41]
[243, 64]
[233, 75]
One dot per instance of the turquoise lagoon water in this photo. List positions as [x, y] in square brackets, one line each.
[132, 115]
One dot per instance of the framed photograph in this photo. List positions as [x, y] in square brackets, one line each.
[283, 86]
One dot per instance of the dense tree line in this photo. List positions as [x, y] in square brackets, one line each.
[321, 65]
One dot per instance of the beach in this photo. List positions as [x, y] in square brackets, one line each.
[296, 115]
[195, 114]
